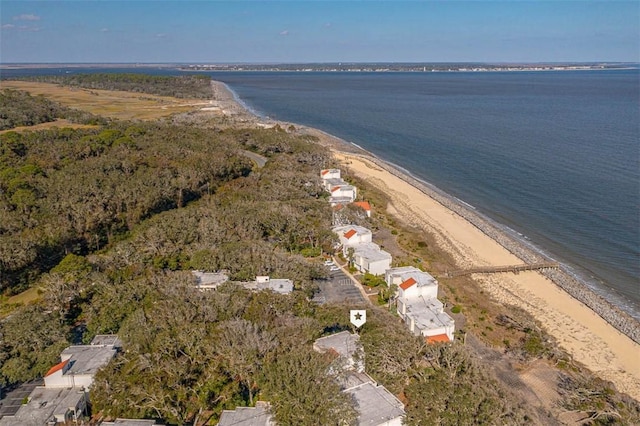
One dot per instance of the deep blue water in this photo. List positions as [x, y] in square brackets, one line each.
[553, 155]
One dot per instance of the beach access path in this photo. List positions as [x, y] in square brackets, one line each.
[587, 337]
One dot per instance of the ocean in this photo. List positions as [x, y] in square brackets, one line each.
[553, 156]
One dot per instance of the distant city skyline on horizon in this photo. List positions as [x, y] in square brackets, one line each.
[306, 32]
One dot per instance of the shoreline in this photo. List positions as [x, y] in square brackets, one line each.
[592, 330]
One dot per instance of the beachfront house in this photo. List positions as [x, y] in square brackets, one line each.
[342, 192]
[352, 235]
[418, 306]
[330, 174]
[369, 257]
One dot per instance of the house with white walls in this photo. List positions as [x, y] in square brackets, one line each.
[369, 257]
[326, 174]
[417, 303]
[352, 235]
[64, 398]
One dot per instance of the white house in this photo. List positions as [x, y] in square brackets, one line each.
[369, 257]
[78, 366]
[352, 235]
[64, 396]
[417, 303]
[330, 174]
[343, 191]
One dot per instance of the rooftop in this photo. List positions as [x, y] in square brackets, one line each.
[428, 313]
[342, 230]
[87, 359]
[130, 422]
[247, 416]
[106, 340]
[417, 277]
[375, 404]
[371, 252]
[438, 338]
[210, 279]
[363, 204]
[344, 343]
[45, 403]
[327, 171]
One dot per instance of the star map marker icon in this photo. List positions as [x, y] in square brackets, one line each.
[358, 317]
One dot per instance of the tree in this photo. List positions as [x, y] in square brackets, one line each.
[244, 348]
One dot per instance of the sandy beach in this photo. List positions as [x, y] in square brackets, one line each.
[578, 329]
[587, 337]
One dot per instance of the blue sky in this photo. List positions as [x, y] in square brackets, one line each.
[318, 31]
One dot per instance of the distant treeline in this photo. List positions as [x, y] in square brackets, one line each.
[19, 108]
[188, 86]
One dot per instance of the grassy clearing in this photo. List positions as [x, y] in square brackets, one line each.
[8, 304]
[61, 123]
[113, 104]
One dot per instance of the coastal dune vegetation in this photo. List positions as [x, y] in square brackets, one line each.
[105, 224]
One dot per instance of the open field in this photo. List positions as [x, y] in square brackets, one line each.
[8, 304]
[60, 123]
[108, 103]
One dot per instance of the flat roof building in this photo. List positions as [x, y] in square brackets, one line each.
[247, 416]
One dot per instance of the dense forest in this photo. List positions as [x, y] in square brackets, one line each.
[106, 224]
[187, 86]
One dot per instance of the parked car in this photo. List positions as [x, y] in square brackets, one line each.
[334, 268]
[328, 263]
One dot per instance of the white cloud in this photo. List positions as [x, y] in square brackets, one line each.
[8, 26]
[104, 30]
[284, 33]
[161, 35]
[327, 25]
[26, 17]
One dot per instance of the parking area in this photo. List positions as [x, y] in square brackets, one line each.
[12, 400]
[338, 289]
